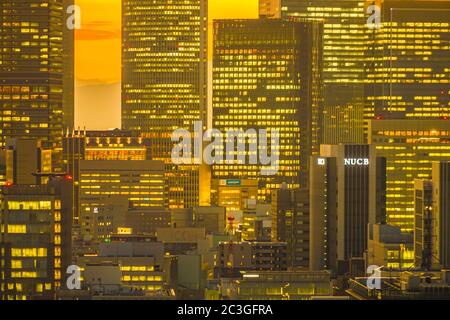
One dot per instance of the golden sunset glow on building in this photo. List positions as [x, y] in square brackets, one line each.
[344, 23]
[265, 76]
[193, 150]
[408, 74]
[34, 247]
[31, 72]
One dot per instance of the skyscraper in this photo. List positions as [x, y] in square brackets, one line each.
[266, 75]
[164, 80]
[410, 147]
[423, 216]
[108, 188]
[407, 70]
[164, 67]
[347, 192]
[31, 72]
[24, 159]
[343, 62]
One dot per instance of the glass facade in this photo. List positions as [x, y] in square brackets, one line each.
[164, 80]
[31, 71]
[266, 76]
[343, 63]
[410, 147]
[408, 75]
[33, 234]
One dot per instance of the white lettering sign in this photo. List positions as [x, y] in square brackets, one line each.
[356, 162]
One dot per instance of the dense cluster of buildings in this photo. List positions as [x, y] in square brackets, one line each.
[360, 113]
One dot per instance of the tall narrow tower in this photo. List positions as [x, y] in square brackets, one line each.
[164, 81]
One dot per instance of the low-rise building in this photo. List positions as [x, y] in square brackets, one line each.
[280, 285]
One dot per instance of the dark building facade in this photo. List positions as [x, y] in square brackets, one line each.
[164, 67]
[69, 65]
[290, 224]
[36, 85]
[25, 158]
[35, 239]
[266, 75]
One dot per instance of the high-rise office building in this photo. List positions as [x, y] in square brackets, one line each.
[211, 218]
[347, 192]
[409, 146]
[32, 92]
[343, 62]
[164, 82]
[266, 76]
[2, 167]
[35, 239]
[441, 213]
[290, 224]
[432, 223]
[407, 70]
[281, 285]
[423, 217]
[270, 8]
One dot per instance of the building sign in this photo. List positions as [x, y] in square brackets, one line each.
[356, 162]
[321, 161]
[234, 182]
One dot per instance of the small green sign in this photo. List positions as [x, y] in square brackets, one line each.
[234, 182]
